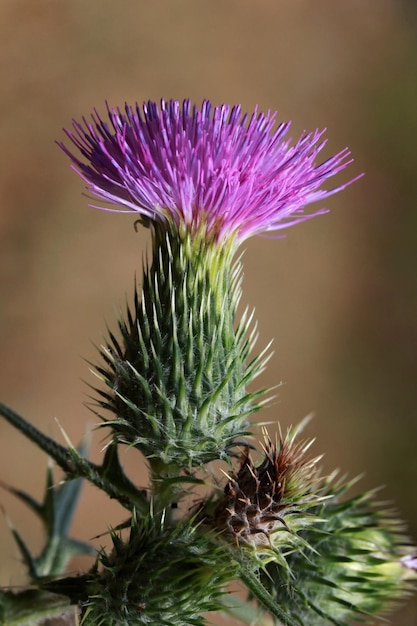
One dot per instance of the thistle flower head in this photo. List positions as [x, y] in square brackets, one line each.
[235, 174]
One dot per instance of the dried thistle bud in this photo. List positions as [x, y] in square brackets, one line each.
[262, 500]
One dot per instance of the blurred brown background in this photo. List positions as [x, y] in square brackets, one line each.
[338, 295]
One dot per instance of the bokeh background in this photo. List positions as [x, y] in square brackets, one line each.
[338, 295]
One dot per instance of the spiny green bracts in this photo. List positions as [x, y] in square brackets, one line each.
[350, 567]
[178, 376]
[160, 575]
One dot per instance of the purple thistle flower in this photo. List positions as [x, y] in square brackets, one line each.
[235, 174]
[409, 561]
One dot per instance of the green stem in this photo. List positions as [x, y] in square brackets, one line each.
[59, 453]
[251, 580]
[165, 491]
[114, 482]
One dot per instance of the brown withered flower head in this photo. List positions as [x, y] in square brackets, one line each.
[262, 500]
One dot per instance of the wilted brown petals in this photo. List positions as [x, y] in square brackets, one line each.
[258, 498]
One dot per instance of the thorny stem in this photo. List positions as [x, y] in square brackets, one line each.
[115, 484]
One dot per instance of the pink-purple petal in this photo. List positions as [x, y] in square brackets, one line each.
[234, 172]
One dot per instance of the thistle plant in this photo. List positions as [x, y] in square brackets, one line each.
[176, 386]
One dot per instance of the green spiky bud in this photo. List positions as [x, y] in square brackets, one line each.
[350, 568]
[160, 575]
[177, 378]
